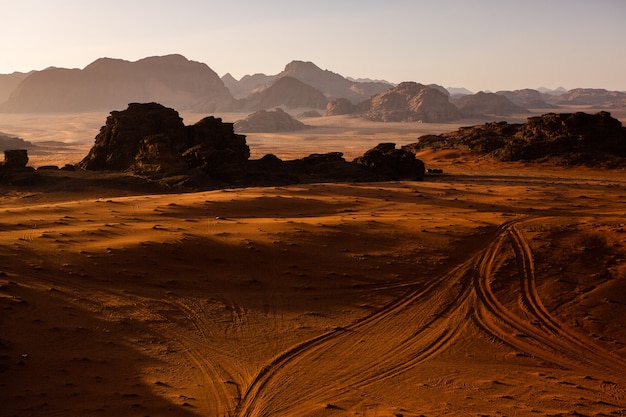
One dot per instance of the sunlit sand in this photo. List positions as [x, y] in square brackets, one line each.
[492, 289]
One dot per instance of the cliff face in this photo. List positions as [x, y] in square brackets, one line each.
[409, 102]
[112, 83]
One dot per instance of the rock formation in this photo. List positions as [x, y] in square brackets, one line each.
[15, 159]
[526, 98]
[482, 104]
[395, 163]
[248, 84]
[288, 92]
[409, 102]
[565, 139]
[592, 97]
[276, 120]
[111, 83]
[151, 137]
[340, 106]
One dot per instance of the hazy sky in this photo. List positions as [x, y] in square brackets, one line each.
[477, 44]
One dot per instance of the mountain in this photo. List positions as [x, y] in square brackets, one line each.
[109, 83]
[265, 121]
[407, 102]
[9, 82]
[458, 92]
[288, 92]
[552, 92]
[526, 98]
[13, 142]
[248, 84]
[481, 104]
[332, 84]
[592, 97]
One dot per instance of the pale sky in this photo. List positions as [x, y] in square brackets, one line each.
[476, 44]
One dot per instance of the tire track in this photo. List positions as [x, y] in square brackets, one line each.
[418, 326]
[401, 336]
[593, 353]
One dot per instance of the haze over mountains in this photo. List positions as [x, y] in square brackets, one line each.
[175, 81]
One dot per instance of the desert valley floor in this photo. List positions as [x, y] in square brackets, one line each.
[490, 290]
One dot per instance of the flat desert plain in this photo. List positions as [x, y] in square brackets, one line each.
[490, 290]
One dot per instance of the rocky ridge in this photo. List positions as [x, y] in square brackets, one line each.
[564, 139]
[111, 83]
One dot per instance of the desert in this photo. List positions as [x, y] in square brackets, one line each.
[175, 243]
[490, 289]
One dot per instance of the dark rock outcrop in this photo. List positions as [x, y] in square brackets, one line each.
[151, 137]
[15, 159]
[564, 139]
[395, 163]
[482, 104]
[276, 120]
[340, 106]
[409, 102]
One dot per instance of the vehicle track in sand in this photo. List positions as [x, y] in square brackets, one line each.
[420, 325]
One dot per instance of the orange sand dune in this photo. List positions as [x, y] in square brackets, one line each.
[484, 291]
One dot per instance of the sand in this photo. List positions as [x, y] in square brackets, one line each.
[489, 290]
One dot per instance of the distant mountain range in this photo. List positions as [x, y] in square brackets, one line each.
[174, 81]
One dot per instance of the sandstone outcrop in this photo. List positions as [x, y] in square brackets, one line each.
[264, 121]
[482, 104]
[409, 102]
[564, 139]
[152, 137]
